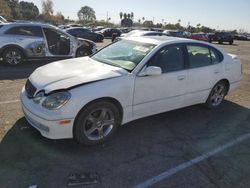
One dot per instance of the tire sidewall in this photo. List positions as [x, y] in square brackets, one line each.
[78, 129]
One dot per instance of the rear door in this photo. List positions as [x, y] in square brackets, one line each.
[204, 71]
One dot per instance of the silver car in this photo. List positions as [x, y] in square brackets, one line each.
[33, 41]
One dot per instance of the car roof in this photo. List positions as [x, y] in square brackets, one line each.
[73, 28]
[159, 40]
[27, 24]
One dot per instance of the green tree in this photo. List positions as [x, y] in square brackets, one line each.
[47, 7]
[14, 8]
[59, 18]
[5, 10]
[125, 16]
[28, 10]
[132, 15]
[121, 15]
[205, 29]
[86, 14]
[129, 15]
[148, 23]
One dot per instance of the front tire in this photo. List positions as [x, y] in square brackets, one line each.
[96, 123]
[12, 56]
[217, 95]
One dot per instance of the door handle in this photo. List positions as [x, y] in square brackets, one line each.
[182, 77]
[216, 71]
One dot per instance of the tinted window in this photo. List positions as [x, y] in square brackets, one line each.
[199, 56]
[1, 26]
[169, 59]
[73, 32]
[25, 30]
[85, 30]
[215, 58]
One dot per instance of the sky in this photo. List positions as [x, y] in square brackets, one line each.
[217, 14]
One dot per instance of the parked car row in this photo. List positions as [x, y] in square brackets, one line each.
[200, 36]
[34, 41]
[219, 37]
[242, 37]
[96, 35]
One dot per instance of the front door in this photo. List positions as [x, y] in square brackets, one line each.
[156, 94]
[58, 42]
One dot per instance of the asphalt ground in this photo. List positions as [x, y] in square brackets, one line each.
[141, 150]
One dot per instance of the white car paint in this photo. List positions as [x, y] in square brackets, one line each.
[138, 95]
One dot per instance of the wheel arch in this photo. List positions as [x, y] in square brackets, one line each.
[107, 99]
[227, 83]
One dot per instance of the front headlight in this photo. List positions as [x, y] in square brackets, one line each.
[56, 100]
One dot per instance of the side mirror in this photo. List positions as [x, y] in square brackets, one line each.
[151, 71]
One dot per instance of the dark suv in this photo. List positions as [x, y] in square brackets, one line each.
[221, 37]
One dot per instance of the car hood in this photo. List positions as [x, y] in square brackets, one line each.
[72, 72]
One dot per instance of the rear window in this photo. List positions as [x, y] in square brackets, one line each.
[199, 56]
[216, 56]
[202, 55]
[26, 31]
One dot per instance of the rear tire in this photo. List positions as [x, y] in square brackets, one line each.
[12, 56]
[217, 95]
[96, 123]
[231, 42]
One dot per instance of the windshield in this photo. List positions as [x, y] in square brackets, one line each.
[125, 54]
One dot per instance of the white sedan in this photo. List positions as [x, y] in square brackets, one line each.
[88, 98]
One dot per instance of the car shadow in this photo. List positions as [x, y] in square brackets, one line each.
[29, 157]
[20, 71]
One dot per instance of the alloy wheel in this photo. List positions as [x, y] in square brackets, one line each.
[218, 95]
[98, 124]
[13, 57]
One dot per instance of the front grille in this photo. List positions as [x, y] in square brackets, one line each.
[30, 89]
